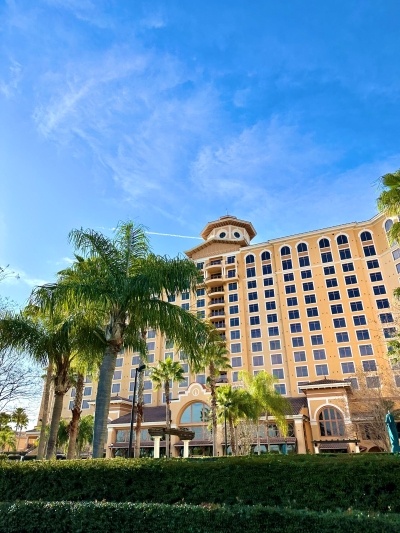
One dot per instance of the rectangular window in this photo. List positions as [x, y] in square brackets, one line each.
[336, 309]
[272, 318]
[369, 365]
[253, 308]
[386, 318]
[234, 297]
[350, 280]
[268, 281]
[291, 301]
[294, 314]
[250, 272]
[345, 254]
[269, 293]
[373, 263]
[369, 250]
[347, 267]
[326, 257]
[280, 388]
[233, 309]
[147, 384]
[334, 295]
[256, 346]
[304, 261]
[362, 334]
[382, 304]
[290, 289]
[201, 303]
[200, 292]
[278, 373]
[353, 293]
[356, 306]
[297, 342]
[396, 254]
[317, 339]
[254, 320]
[310, 299]
[252, 284]
[273, 331]
[185, 306]
[276, 359]
[348, 368]
[299, 357]
[359, 320]
[258, 360]
[321, 370]
[266, 269]
[301, 371]
[236, 347]
[315, 325]
[230, 259]
[146, 398]
[312, 311]
[117, 374]
[287, 264]
[329, 270]
[270, 306]
[116, 387]
[389, 332]
[373, 382]
[85, 404]
[319, 355]
[339, 323]
[275, 345]
[331, 282]
[288, 277]
[308, 286]
[233, 286]
[236, 361]
[185, 296]
[345, 352]
[376, 276]
[234, 322]
[306, 274]
[253, 296]
[295, 328]
[342, 336]
[379, 289]
[235, 377]
[171, 298]
[255, 333]
[119, 361]
[232, 273]
[87, 391]
[135, 362]
[366, 349]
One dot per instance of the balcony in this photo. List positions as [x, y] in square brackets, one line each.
[213, 280]
[220, 312]
[215, 290]
[214, 266]
[216, 302]
[220, 324]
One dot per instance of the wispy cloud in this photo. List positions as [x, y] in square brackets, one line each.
[10, 86]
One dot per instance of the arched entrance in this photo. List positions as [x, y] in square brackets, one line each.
[196, 418]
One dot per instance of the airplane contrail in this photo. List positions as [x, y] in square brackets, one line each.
[173, 235]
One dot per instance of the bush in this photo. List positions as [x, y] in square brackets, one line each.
[92, 517]
[366, 483]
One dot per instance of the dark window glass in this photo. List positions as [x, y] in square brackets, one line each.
[326, 257]
[294, 314]
[266, 269]
[291, 301]
[304, 261]
[331, 282]
[366, 236]
[324, 243]
[342, 239]
[249, 259]
[334, 295]
[287, 264]
[308, 286]
[295, 328]
[306, 274]
[369, 250]
[269, 306]
[376, 276]
[345, 254]
[288, 277]
[302, 247]
[373, 263]
[329, 270]
[265, 256]
[285, 250]
[250, 272]
[347, 267]
[339, 323]
[268, 281]
[312, 311]
[353, 293]
[336, 309]
[310, 299]
[356, 306]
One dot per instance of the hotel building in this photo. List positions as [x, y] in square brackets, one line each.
[314, 309]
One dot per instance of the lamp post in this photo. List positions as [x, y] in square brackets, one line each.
[226, 405]
[137, 370]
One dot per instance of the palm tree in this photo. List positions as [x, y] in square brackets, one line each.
[79, 382]
[389, 201]
[267, 401]
[85, 432]
[161, 376]
[21, 421]
[213, 356]
[7, 439]
[62, 435]
[124, 286]
[234, 405]
[55, 338]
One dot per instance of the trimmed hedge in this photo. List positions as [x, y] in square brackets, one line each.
[92, 517]
[365, 483]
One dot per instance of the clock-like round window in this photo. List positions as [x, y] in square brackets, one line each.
[222, 235]
[237, 235]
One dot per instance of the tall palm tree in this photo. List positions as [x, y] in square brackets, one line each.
[389, 201]
[161, 376]
[234, 405]
[213, 356]
[124, 287]
[267, 401]
[54, 338]
[21, 421]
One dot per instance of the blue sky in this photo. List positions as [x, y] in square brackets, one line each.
[175, 112]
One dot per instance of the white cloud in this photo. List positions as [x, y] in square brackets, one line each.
[9, 87]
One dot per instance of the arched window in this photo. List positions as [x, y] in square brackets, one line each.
[265, 256]
[324, 243]
[342, 239]
[249, 259]
[388, 224]
[331, 423]
[285, 250]
[302, 247]
[195, 413]
[366, 236]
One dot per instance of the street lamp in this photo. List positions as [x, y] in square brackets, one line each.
[226, 405]
[137, 370]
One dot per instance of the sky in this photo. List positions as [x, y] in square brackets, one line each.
[173, 113]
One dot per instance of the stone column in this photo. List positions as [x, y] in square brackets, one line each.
[157, 447]
[316, 448]
[186, 449]
[299, 434]
[111, 438]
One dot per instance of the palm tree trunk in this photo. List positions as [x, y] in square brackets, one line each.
[267, 431]
[45, 412]
[168, 420]
[103, 401]
[232, 432]
[76, 415]
[55, 422]
[213, 409]
[258, 437]
[139, 412]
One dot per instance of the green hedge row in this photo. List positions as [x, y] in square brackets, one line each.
[64, 517]
[366, 483]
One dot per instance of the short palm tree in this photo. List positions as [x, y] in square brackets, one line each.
[389, 201]
[124, 287]
[21, 421]
[7, 439]
[214, 357]
[85, 433]
[161, 376]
